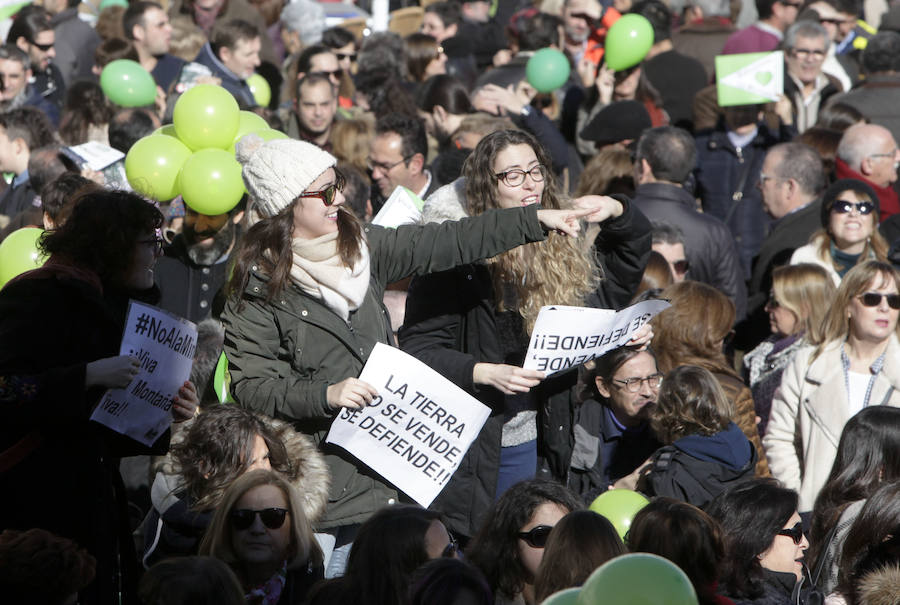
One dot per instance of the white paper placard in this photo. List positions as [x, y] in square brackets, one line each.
[566, 337]
[416, 431]
[403, 207]
[165, 344]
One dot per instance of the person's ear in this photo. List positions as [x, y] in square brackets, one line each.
[417, 163]
[452, 30]
[601, 387]
[865, 167]
[225, 54]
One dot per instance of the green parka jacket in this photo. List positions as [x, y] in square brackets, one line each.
[283, 354]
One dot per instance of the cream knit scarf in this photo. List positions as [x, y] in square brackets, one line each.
[318, 270]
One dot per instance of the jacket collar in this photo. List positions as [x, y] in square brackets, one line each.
[664, 192]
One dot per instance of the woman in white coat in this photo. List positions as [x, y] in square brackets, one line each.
[856, 365]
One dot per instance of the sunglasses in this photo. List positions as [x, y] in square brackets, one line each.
[873, 299]
[342, 56]
[846, 207]
[43, 47]
[537, 536]
[337, 73]
[328, 194]
[681, 266]
[273, 518]
[795, 533]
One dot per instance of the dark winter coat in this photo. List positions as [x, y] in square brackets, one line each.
[777, 588]
[284, 354]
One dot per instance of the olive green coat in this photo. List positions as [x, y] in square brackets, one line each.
[284, 354]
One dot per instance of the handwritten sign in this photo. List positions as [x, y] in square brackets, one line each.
[566, 337]
[165, 345]
[416, 431]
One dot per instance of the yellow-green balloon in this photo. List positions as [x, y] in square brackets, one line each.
[248, 122]
[206, 117]
[19, 253]
[547, 69]
[637, 579]
[619, 506]
[167, 130]
[260, 89]
[628, 41]
[128, 84]
[211, 182]
[152, 166]
[270, 134]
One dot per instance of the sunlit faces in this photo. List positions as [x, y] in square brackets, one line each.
[575, 20]
[804, 60]
[316, 107]
[437, 66]
[388, 166]
[882, 163]
[156, 32]
[784, 555]
[519, 157]
[259, 545]
[259, 455]
[851, 230]
[434, 27]
[202, 228]
[772, 186]
[147, 249]
[328, 65]
[782, 321]
[312, 218]
[15, 77]
[243, 59]
[675, 256]
[630, 408]
[627, 83]
[874, 324]
[549, 514]
[40, 50]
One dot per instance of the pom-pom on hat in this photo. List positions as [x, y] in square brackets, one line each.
[275, 172]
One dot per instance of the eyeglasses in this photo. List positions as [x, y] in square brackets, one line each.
[450, 551]
[336, 74]
[681, 266]
[846, 207]
[873, 299]
[328, 194]
[536, 537]
[43, 47]
[383, 167]
[803, 53]
[273, 518]
[156, 242]
[343, 56]
[795, 533]
[633, 385]
[516, 176]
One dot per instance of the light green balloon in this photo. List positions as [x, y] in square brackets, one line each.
[563, 597]
[206, 117]
[248, 122]
[619, 506]
[211, 182]
[260, 89]
[222, 380]
[107, 3]
[270, 134]
[628, 41]
[19, 253]
[152, 166]
[167, 130]
[637, 579]
[547, 70]
[126, 83]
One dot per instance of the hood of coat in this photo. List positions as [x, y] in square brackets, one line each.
[729, 447]
[881, 587]
[447, 203]
[308, 473]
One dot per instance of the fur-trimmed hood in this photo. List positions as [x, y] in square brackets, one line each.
[308, 473]
[881, 587]
[447, 203]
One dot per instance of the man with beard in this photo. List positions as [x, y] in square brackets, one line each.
[147, 25]
[32, 32]
[194, 267]
[314, 111]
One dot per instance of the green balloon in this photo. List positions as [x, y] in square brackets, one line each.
[167, 130]
[206, 116]
[547, 70]
[270, 134]
[152, 166]
[563, 597]
[19, 253]
[107, 3]
[128, 84]
[222, 380]
[619, 506]
[637, 579]
[628, 41]
[260, 89]
[248, 122]
[211, 182]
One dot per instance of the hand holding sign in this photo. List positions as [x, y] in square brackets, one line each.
[350, 393]
[111, 372]
[507, 379]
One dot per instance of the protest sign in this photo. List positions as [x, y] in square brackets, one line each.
[416, 431]
[565, 337]
[403, 207]
[165, 345]
[749, 78]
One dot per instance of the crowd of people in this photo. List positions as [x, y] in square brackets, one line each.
[759, 413]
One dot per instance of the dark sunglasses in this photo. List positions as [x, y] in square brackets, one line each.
[273, 518]
[795, 533]
[537, 536]
[328, 194]
[845, 207]
[681, 266]
[342, 56]
[337, 73]
[43, 47]
[873, 299]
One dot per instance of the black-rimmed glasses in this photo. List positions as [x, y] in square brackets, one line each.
[516, 176]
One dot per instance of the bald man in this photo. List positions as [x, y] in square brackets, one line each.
[868, 152]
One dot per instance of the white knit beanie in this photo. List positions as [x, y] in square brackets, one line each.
[277, 171]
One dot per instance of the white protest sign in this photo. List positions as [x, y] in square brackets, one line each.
[565, 337]
[416, 431]
[403, 207]
[165, 344]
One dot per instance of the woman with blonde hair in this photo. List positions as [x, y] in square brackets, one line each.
[262, 533]
[849, 233]
[801, 296]
[472, 324]
[682, 335]
[856, 364]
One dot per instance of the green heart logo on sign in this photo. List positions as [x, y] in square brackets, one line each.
[763, 77]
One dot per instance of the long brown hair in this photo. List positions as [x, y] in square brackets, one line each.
[267, 245]
[554, 271]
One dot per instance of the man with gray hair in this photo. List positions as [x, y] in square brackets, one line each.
[806, 45]
[707, 24]
[868, 152]
[664, 160]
